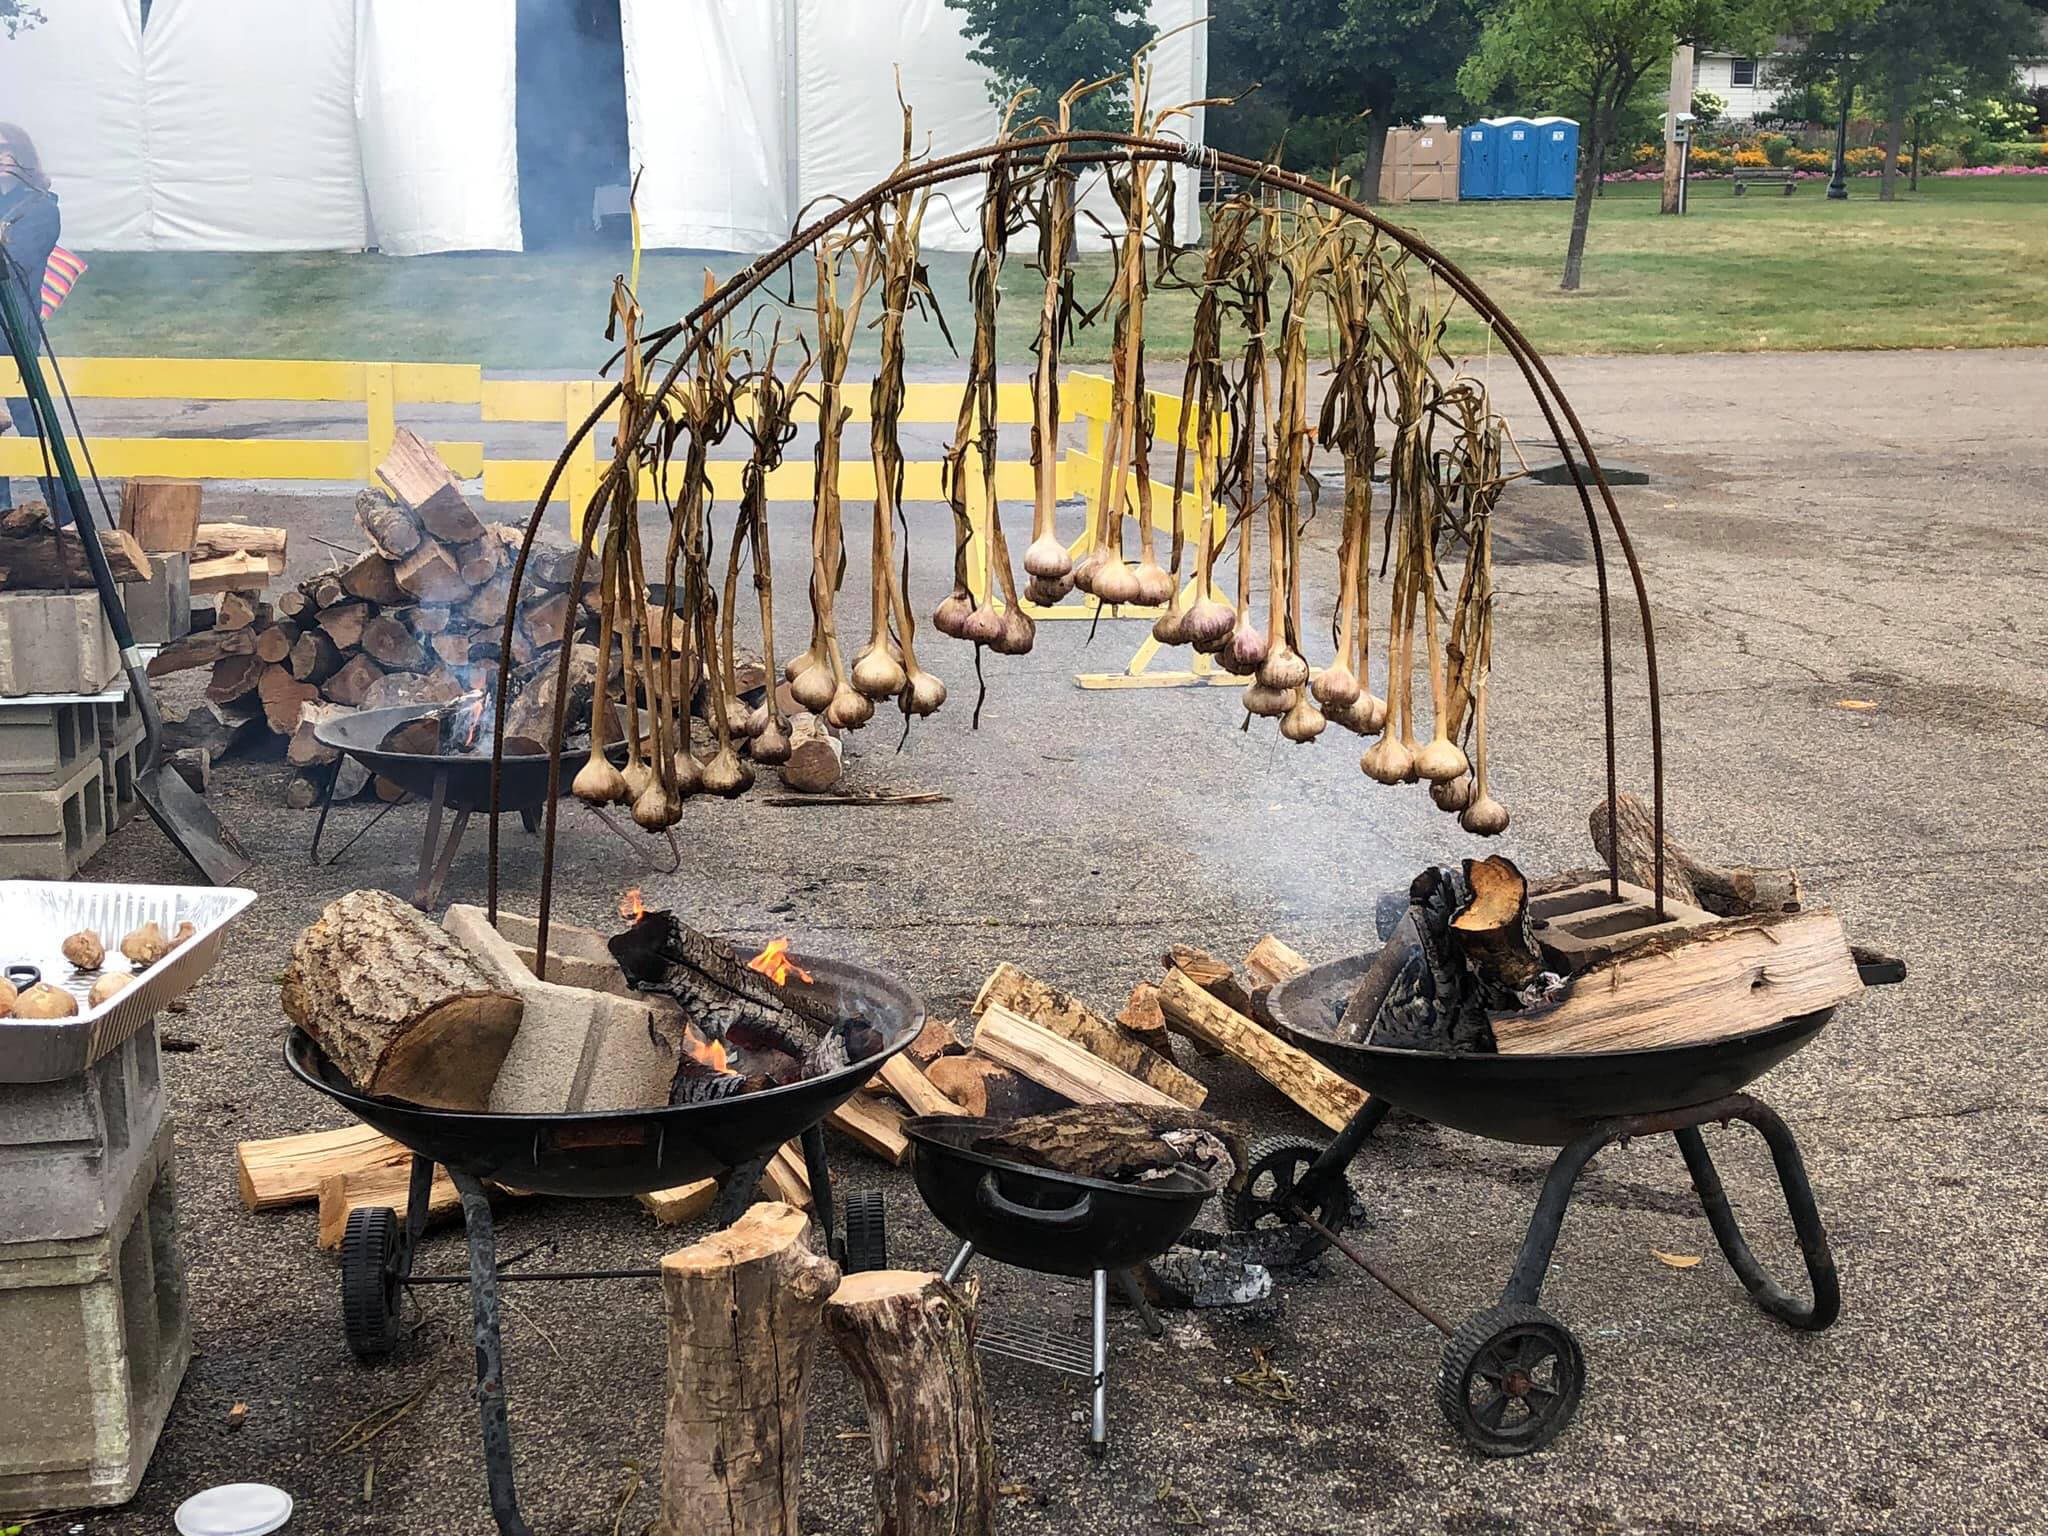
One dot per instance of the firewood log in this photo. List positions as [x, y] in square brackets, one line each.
[203, 649]
[425, 619]
[214, 728]
[684, 1202]
[1066, 1015]
[235, 677]
[744, 1307]
[937, 1038]
[236, 610]
[914, 1089]
[1214, 976]
[306, 749]
[287, 1170]
[282, 694]
[452, 648]
[344, 622]
[411, 688]
[388, 1185]
[430, 574]
[875, 1126]
[908, 1339]
[400, 1007]
[392, 646]
[211, 541]
[389, 527]
[478, 562]
[294, 603]
[235, 573]
[815, 756]
[418, 479]
[274, 641]
[326, 590]
[984, 1088]
[1310, 1084]
[545, 620]
[351, 685]
[1058, 1063]
[1733, 890]
[313, 657]
[35, 556]
[302, 791]
[1120, 1142]
[162, 513]
[374, 579]
[1144, 1021]
[1492, 934]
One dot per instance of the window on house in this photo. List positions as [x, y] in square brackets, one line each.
[1742, 72]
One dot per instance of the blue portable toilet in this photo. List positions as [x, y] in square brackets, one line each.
[1478, 162]
[1515, 155]
[1557, 156]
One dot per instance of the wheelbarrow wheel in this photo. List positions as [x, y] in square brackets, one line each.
[371, 1270]
[867, 1232]
[1273, 1188]
[1511, 1379]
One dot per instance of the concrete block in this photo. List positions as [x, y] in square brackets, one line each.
[71, 1150]
[577, 1048]
[95, 1335]
[160, 609]
[46, 834]
[121, 753]
[41, 745]
[55, 642]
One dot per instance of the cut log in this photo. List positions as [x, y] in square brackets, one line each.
[236, 610]
[1120, 1143]
[1144, 1020]
[545, 620]
[313, 657]
[908, 1339]
[1213, 976]
[532, 712]
[1272, 962]
[1695, 984]
[34, 556]
[293, 603]
[411, 688]
[392, 646]
[235, 573]
[1310, 1084]
[326, 590]
[478, 563]
[201, 650]
[1057, 1063]
[351, 685]
[274, 641]
[417, 477]
[303, 791]
[399, 1007]
[815, 755]
[373, 579]
[236, 677]
[1066, 1015]
[216, 729]
[287, 1170]
[282, 695]
[306, 749]
[484, 608]
[211, 541]
[875, 1126]
[451, 649]
[425, 619]
[937, 1038]
[1492, 934]
[914, 1089]
[389, 527]
[386, 1185]
[1734, 890]
[743, 1307]
[430, 574]
[986, 1089]
[344, 623]
[685, 1202]
[162, 513]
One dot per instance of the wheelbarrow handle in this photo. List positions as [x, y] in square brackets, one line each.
[994, 1199]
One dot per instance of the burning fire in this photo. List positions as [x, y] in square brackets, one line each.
[631, 907]
[471, 724]
[774, 963]
[710, 1052]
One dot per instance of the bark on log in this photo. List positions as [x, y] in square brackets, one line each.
[236, 610]
[400, 1008]
[162, 513]
[419, 479]
[1310, 1084]
[1491, 932]
[984, 1088]
[201, 650]
[545, 620]
[937, 1038]
[306, 749]
[313, 657]
[1733, 890]
[326, 590]
[294, 603]
[744, 1308]
[430, 574]
[1272, 961]
[1066, 1015]
[1059, 1064]
[392, 646]
[235, 677]
[411, 688]
[915, 1089]
[352, 683]
[1122, 1143]
[215, 729]
[213, 540]
[387, 525]
[35, 556]
[478, 563]
[374, 579]
[282, 696]
[908, 1339]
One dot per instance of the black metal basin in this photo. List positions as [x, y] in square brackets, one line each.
[628, 1152]
[467, 776]
[1541, 1100]
[1052, 1223]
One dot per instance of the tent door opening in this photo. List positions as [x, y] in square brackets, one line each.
[574, 162]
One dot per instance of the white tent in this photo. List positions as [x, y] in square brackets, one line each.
[247, 125]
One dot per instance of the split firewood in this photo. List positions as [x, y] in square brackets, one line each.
[392, 530]
[1214, 976]
[875, 1126]
[394, 688]
[937, 1038]
[744, 1307]
[432, 575]
[384, 1184]
[1144, 1021]
[236, 677]
[1695, 984]
[914, 1089]
[374, 579]
[684, 1202]
[1311, 1085]
[1058, 1063]
[212, 541]
[351, 684]
[1493, 935]
[192, 764]
[988, 1090]
[477, 561]
[306, 749]
[234, 573]
[392, 646]
[425, 487]
[344, 622]
[215, 729]
[287, 1170]
[787, 1177]
[1733, 890]
[723, 996]
[274, 641]
[1066, 1015]
[302, 791]
[294, 604]
[35, 556]
[313, 658]
[162, 513]
[235, 611]
[326, 591]
[282, 695]
[908, 1339]
[400, 1008]
[203, 649]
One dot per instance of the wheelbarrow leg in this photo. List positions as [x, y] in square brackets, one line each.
[820, 1175]
[419, 1193]
[737, 1193]
[490, 1364]
[1826, 1305]
[1525, 1285]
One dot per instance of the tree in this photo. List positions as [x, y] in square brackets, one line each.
[1333, 76]
[1049, 45]
[19, 16]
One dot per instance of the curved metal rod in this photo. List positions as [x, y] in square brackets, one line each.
[1126, 148]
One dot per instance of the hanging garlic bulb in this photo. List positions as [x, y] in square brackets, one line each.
[950, 617]
[815, 687]
[849, 710]
[689, 776]
[923, 694]
[727, 776]
[1303, 722]
[1114, 582]
[771, 740]
[1047, 590]
[1246, 650]
[1267, 701]
[1047, 558]
[651, 805]
[1209, 624]
[985, 625]
[1387, 761]
[1452, 794]
[1151, 585]
[1334, 688]
[877, 672]
[1365, 715]
[1171, 627]
[1018, 633]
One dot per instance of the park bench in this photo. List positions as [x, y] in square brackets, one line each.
[1764, 175]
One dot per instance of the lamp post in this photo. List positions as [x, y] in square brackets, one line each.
[1838, 184]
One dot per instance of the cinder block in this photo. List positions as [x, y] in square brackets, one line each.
[46, 834]
[160, 609]
[55, 642]
[71, 1150]
[121, 748]
[577, 1048]
[95, 1335]
[41, 745]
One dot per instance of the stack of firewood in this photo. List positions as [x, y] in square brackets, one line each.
[416, 618]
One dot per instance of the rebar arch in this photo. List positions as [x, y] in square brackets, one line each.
[1566, 430]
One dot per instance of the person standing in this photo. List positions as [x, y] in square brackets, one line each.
[29, 226]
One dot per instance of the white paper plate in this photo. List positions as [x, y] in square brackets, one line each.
[234, 1509]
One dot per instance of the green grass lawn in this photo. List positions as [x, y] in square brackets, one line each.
[1959, 263]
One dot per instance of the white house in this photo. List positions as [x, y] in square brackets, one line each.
[1746, 84]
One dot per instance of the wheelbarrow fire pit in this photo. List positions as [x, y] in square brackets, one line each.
[594, 1154]
[1512, 1375]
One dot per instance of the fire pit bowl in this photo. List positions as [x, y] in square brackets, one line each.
[628, 1152]
[466, 776]
[1538, 1100]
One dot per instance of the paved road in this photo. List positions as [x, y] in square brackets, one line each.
[1818, 529]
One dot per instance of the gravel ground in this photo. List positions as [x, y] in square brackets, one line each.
[1817, 529]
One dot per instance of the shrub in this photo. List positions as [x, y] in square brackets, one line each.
[1646, 155]
[1868, 158]
[1711, 160]
[1752, 159]
[1938, 157]
[1776, 147]
[1808, 160]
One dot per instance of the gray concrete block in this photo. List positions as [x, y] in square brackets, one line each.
[70, 1150]
[55, 642]
[41, 745]
[46, 834]
[96, 1337]
[121, 755]
[160, 609]
[577, 1048]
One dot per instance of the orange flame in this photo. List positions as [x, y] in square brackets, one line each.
[631, 907]
[774, 963]
[473, 723]
[710, 1052]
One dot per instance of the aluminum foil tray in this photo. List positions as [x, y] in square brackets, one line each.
[37, 916]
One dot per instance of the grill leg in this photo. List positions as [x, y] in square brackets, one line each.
[1098, 1417]
[490, 1362]
[958, 1267]
[737, 1193]
[1826, 1305]
[429, 837]
[820, 1174]
[1526, 1283]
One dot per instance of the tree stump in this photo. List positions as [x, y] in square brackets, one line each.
[908, 1339]
[744, 1307]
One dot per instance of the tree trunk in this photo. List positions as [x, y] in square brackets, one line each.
[1582, 204]
[744, 1307]
[1378, 120]
[1894, 137]
[908, 1339]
